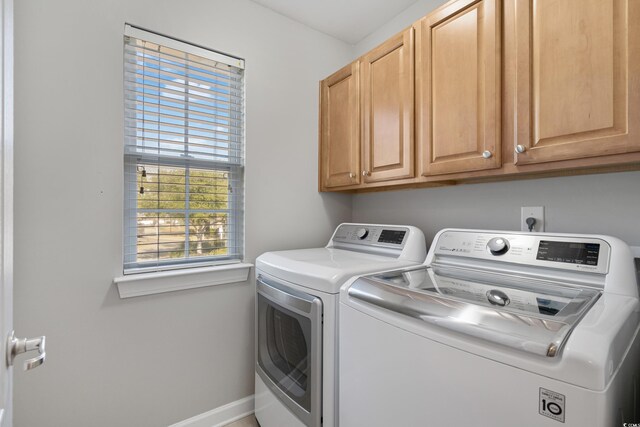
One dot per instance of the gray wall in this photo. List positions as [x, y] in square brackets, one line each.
[401, 21]
[147, 361]
[599, 204]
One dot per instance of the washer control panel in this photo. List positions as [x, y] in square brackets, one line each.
[543, 250]
[498, 245]
[372, 235]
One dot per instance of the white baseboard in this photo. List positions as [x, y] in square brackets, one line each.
[221, 416]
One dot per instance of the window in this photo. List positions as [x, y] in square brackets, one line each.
[183, 154]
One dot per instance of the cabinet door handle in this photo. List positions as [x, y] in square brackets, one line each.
[487, 154]
[520, 149]
[366, 173]
[352, 175]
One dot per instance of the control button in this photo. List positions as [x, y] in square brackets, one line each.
[497, 297]
[362, 233]
[498, 246]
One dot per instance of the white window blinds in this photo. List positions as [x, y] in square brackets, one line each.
[184, 133]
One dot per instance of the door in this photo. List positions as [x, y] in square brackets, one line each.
[9, 345]
[387, 109]
[577, 90]
[290, 348]
[340, 128]
[6, 210]
[458, 87]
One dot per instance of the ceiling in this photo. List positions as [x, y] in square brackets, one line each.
[346, 20]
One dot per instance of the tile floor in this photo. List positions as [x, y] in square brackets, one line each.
[249, 421]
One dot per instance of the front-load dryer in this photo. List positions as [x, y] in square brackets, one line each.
[297, 318]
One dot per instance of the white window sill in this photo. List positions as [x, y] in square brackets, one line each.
[135, 285]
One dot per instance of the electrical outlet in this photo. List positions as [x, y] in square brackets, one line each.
[536, 212]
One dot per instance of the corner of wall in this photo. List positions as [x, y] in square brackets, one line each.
[402, 20]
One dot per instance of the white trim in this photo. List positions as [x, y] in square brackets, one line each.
[134, 285]
[183, 46]
[221, 416]
[7, 168]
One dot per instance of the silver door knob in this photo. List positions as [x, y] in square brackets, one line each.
[17, 346]
[487, 154]
[365, 173]
[352, 175]
[520, 148]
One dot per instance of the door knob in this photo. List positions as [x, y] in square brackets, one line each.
[520, 149]
[352, 175]
[365, 173]
[487, 154]
[17, 346]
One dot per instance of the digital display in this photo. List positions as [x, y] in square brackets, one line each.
[570, 252]
[392, 236]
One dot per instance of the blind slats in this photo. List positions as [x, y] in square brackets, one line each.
[187, 82]
[180, 56]
[184, 156]
[139, 73]
[182, 110]
[173, 92]
[194, 119]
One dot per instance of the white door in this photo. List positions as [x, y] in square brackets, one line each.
[9, 345]
[6, 209]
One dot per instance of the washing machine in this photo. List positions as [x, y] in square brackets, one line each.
[496, 329]
[297, 317]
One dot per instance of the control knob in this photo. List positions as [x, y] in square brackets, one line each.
[497, 297]
[362, 233]
[498, 245]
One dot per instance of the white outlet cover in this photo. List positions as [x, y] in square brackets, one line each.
[536, 212]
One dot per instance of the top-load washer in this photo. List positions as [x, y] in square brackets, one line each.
[297, 307]
[497, 329]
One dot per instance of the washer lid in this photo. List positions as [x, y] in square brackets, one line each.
[324, 269]
[527, 314]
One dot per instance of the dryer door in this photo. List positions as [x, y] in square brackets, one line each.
[290, 347]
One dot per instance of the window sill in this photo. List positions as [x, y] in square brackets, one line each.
[175, 280]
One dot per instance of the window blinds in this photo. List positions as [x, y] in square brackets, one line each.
[184, 121]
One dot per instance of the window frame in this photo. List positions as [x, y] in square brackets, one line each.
[235, 171]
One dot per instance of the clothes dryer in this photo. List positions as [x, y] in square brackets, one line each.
[297, 317]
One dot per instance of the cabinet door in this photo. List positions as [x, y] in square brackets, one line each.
[458, 87]
[577, 73]
[387, 107]
[340, 128]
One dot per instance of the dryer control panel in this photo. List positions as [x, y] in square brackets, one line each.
[372, 235]
[402, 242]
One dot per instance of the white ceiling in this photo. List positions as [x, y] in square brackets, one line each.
[347, 20]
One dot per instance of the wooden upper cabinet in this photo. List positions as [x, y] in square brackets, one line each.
[387, 78]
[458, 87]
[340, 128]
[577, 78]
